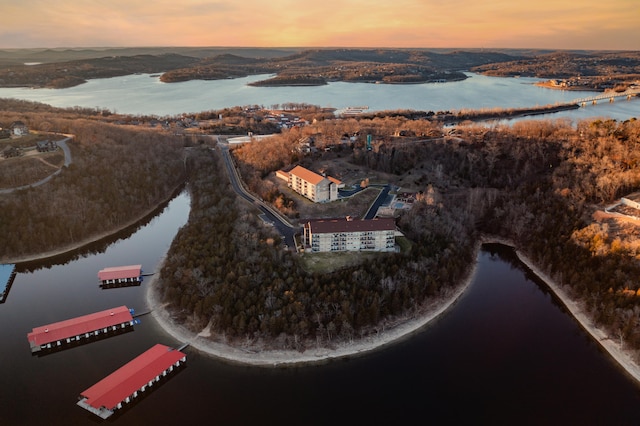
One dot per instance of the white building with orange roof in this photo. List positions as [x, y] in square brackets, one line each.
[315, 187]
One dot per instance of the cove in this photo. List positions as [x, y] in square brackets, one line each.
[506, 353]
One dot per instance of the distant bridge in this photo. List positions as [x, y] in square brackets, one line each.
[606, 95]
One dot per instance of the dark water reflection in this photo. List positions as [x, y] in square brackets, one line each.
[506, 354]
[96, 247]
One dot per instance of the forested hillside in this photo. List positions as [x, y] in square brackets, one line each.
[539, 184]
[536, 183]
[117, 175]
[225, 268]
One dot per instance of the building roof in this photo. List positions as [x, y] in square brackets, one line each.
[6, 271]
[330, 226]
[129, 378]
[115, 272]
[306, 174]
[80, 325]
[334, 180]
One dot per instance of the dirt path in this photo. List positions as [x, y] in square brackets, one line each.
[48, 163]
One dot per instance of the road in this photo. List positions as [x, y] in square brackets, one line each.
[286, 229]
[380, 200]
[67, 161]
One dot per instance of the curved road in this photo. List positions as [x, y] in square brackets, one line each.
[286, 229]
[67, 161]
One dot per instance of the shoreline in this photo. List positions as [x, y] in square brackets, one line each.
[72, 247]
[394, 334]
[620, 355]
[548, 85]
[292, 358]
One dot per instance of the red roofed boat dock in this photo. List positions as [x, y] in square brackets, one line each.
[73, 330]
[120, 276]
[125, 384]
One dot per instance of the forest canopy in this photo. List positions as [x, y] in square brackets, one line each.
[542, 185]
[118, 174]
[535, 183]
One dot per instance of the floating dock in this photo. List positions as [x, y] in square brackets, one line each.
[7, 274]
[353, 110]
[118, 276]
[126, 383]
[74, 330]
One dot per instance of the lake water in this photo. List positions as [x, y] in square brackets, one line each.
[146, 94]
[507, 353]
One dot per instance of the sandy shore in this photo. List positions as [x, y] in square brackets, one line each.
[392, 334]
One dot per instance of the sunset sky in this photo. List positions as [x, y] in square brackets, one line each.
[585, 24]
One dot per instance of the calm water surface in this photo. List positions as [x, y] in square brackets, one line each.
[507, 353]
[146, 94]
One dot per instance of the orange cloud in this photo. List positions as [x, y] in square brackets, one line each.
[589, 24]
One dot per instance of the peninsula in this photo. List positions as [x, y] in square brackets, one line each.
[246, 290]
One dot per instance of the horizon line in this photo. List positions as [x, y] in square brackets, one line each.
[314, 48]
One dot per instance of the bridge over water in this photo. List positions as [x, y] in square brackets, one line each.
[606, 95]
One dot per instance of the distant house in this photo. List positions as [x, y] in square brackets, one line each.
[347, 234]
[315, 187]
[18, 128]
[11, 151]
[46, 146]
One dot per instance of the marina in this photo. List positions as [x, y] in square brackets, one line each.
[60, 334]
[129, 381]
[7, 275]
[534, 333]
[120, 276]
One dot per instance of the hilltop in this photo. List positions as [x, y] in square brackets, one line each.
[595, 70]
[58, 68]
[66, 68]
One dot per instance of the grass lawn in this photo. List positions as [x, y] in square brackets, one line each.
[329, 262]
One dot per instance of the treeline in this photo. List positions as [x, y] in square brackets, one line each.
[72, 73]
[538, 183]
[17, 106]
[290, 80]
[534, 183]
[354, 65]
[567, 64]
[28, 170]
[117, 174]
[255, 118]
[226, 269]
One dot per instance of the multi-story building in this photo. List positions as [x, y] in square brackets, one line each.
[347, 234]
[315, 187]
